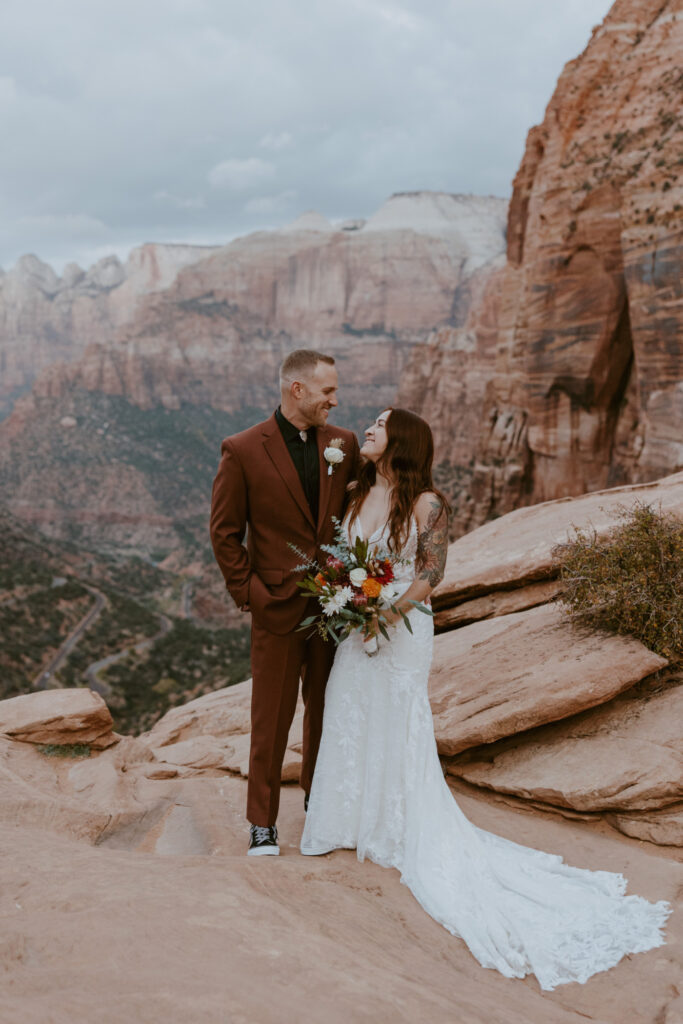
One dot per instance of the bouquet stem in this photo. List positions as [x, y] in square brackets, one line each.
[371, 646]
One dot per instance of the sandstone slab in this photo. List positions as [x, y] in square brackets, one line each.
[84, 798]
[220, 713]
[626, 755]
[517, 548]
[499, 602]
[663, 827]
[501, 676]
[75, 715]
[211, 734]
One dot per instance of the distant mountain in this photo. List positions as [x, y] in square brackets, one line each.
[45, 319]
[118, 446]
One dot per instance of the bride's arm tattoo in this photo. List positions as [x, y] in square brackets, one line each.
[432, 546]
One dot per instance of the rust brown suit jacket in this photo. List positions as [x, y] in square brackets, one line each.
[257, 492]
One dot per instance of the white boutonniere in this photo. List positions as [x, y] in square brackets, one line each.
[334, 454]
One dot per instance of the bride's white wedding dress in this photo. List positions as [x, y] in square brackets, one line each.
[379, 788]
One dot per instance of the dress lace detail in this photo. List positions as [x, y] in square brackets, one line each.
[379, 789]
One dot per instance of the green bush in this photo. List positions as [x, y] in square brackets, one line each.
[630, 581]
[65, 750]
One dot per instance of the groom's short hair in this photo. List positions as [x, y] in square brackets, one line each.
[301, 362]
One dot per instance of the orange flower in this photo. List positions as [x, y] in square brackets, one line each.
[320, 579]
[371, 587]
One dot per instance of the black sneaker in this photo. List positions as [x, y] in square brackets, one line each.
[263, 841]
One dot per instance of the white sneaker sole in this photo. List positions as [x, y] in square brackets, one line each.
[264, 851]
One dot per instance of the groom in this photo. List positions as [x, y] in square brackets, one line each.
[277, 484]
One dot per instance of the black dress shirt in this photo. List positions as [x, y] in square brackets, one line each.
[305, 458]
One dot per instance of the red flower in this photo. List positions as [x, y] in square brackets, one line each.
[335, 563]
[387, 573]
[359, 600]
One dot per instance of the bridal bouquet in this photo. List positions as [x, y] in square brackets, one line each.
[354, 587]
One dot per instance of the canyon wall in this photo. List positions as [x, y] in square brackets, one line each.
[581, 334]
[46, 319]
[118, 446]
[365, 291]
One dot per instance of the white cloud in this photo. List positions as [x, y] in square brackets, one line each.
[180, 202]
[397, 17]
[79, 224]
[240, 175]
[271, 204]
[121, 111]
[276, 141]
[8, 89]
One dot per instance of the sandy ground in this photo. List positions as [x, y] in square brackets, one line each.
[175, 925]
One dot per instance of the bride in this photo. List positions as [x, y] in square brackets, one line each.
[379, 787]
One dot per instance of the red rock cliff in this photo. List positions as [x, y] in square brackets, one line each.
[586, 318]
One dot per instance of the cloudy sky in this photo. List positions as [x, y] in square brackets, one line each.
[200, 120]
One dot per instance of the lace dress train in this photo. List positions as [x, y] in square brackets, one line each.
[379, 789]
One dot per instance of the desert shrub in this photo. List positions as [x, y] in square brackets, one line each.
[630, 581]
[65, 750]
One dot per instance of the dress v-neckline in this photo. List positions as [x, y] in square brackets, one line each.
[362, 531]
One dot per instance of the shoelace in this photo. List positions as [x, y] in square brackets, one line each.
[263, 833]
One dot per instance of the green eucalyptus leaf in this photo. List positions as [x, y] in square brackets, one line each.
[406, 620]
[422, 608]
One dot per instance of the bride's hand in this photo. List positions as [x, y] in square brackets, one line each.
[391, 618]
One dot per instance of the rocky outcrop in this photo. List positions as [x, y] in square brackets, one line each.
[517, 549]
[625, 756]
[508, 674]
[585, 319]
[495, 603]
[509, 662]
[663, 827]
[212, 734]
[58, 717]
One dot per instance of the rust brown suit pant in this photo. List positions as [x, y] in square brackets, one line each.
[277, 664]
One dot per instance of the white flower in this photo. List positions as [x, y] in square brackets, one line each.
[335, 603]
[387, 593]
[358, 576]
[333, 455]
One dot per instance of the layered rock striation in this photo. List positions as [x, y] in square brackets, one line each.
[366, 293]
[527, 703]
[123, 441]
[45, 319]
[579, 339]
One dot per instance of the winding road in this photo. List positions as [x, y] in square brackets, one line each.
[91, 672]
[42, 680]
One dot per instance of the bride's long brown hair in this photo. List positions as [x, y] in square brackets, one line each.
[407, 460]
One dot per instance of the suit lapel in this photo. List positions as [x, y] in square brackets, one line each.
[274, 444]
